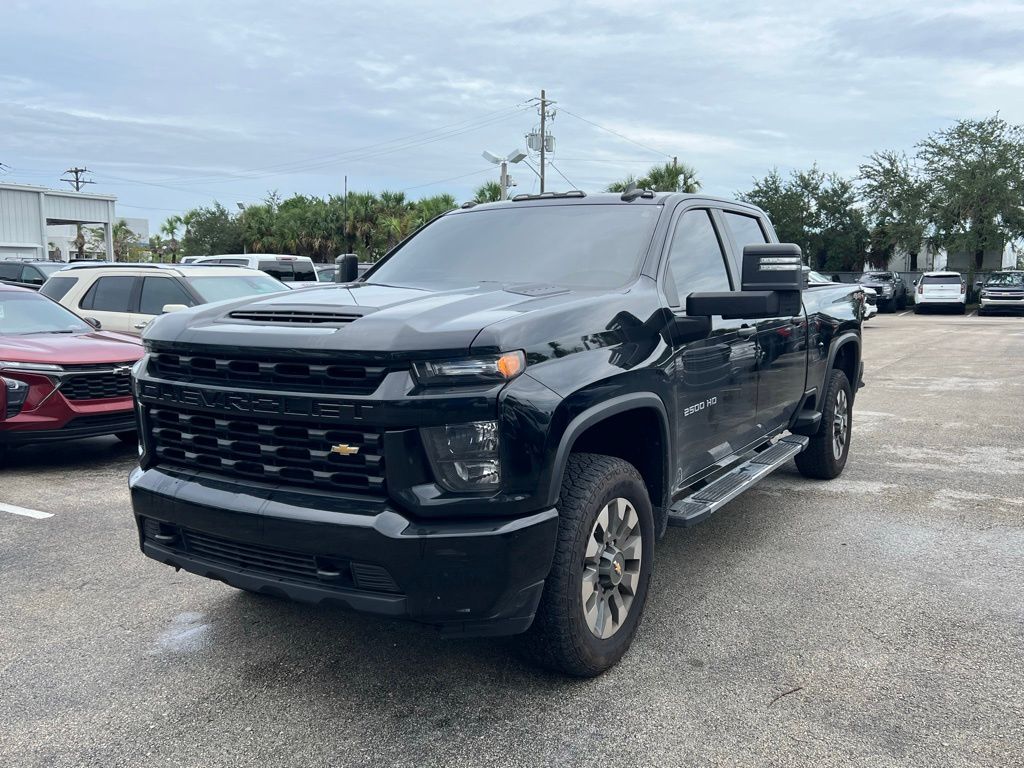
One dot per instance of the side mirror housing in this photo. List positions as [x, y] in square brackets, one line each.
[94, 323]
[978, 283]
[773, 267]
[348, 268]
[173, 308]
[836, 279]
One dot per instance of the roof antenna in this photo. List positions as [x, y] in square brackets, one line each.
[631, 193]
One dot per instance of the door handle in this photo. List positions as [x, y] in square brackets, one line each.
[746, 331]
[140, 326]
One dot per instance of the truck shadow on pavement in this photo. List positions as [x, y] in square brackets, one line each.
[101, 453]
[399, 669]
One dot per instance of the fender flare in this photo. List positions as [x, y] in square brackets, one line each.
[599, 413]
[847, 337]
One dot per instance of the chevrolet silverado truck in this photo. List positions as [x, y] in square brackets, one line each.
[488, 431]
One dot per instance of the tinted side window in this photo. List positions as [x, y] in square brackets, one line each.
[696, 262]
[109, 294]
[237, 262]
[10, 271]
[745, 230]
[32, 275]
[57, 288]
[158, 291]
[304, 271]
[282, 270]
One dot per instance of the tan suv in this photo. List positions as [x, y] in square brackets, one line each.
[126, 297]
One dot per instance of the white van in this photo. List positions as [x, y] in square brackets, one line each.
[295, 271]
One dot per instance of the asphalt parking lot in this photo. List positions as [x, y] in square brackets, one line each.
[875, 620]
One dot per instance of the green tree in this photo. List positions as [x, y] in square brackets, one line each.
[211, 229]
[170, 228]
[668, 177]
[818, 212]
[488, 192]
[896, 203]
[974, 172]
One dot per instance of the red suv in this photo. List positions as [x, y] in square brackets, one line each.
[60, 377]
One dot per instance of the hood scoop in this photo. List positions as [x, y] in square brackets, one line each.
[294, 316]
[535, 289]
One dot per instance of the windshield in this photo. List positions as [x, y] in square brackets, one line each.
[224, 287]
[874, 277]
[1006, 278]
[816, 277]
[589, 246]
[30, 313]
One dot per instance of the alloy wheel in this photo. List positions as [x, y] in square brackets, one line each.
[840, 424]
[611, 567]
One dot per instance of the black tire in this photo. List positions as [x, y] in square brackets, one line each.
[963, 309]
[820, 459]
[918, 309]
[561, 637]
[901, 302]
[128, 438]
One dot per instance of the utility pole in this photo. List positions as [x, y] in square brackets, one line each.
[503, 181]
[543, 136]
[79, 179]
[78, 182]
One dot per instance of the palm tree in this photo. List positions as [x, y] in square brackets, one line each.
[170, 228]
[669, 177]
[488, 192]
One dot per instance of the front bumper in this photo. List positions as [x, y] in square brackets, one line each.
[1003, 304]
[24, 430]
[466, 577]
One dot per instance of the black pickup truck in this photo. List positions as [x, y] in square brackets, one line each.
[490, 429]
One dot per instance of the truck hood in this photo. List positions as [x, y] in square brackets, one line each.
[391, 318]
[70, 349]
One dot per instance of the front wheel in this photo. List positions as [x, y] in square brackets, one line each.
[826, 454]
[597, 587]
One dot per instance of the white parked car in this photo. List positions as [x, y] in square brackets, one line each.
[126, 297]
[940, 289]
[295, 271]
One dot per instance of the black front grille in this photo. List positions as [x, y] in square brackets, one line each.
[289, 453]
[292, 375]
[96, 385]
[270, 561]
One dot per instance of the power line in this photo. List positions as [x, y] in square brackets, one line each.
[368, 151]
[616, 133]
[442, 181]
[571, 185]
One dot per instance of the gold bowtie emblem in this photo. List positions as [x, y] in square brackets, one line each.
[618, 568]
[344, 449]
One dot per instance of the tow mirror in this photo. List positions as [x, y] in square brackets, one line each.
[773, 278]
[94, 323]
[348, 268]
[174, 308]
[978, 284]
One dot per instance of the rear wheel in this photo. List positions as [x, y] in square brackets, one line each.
[597, 588]
[901, 303]
[826, 454]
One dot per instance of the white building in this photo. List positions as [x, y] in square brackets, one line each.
[27, 213]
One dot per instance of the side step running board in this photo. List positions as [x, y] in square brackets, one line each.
[693, 509]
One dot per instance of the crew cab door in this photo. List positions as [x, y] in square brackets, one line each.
[781, 341]
[715, 377]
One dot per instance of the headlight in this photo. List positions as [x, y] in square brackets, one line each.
[33, 367]
[470, 370]
[17, 392]
[464, 456]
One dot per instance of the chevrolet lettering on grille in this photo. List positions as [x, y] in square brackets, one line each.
[249, 402]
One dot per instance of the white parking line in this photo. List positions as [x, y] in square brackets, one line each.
[23, 511]
[904, 314]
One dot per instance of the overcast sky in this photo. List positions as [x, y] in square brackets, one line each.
[173, 105]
